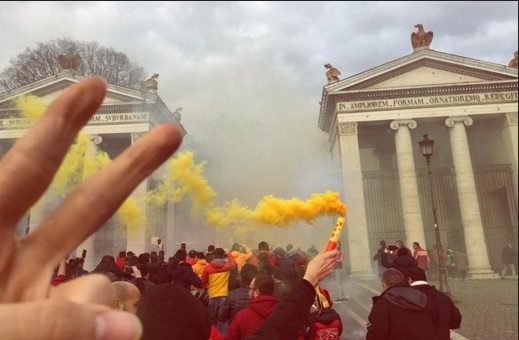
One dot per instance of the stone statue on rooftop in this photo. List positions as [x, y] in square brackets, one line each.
[421, 38]
[513, 62]
[152, 84]
[332, 74]
[71, 60]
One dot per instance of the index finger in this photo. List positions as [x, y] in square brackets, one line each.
[28, 167]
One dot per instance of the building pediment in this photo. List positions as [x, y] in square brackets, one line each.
[121, 105]
[423, 74]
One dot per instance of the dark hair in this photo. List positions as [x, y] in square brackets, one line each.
[263, 257]
[210, 248]
[143, 258]
[392, 277]
[280, 252]
[403, 251]
[247, 273]
[263, 246]
[235, 246]
[417, 274]
[133, 260]
[200, 255]
[416, 244]
[181, 254]
[219, 253]
[192, 254]
[170, 311]
[122, 253]
[264, 283]
[382, 243]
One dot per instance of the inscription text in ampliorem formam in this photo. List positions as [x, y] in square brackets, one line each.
[429, 101]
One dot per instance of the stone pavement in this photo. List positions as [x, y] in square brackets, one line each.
[488, 307]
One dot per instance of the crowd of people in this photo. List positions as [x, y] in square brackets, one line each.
[218, 294]
[236, 290]
[409, 307]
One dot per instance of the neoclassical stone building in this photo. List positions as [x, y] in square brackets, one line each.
[124, 117]
[375, 120]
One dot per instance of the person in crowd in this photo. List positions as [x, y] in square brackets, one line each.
[400, 312]
[403, 262]
[108, 267]
[127, 296]
[462, 264]
[450, 265]
[78, 307]
[378, 257]
[140, 273]
[289, 267]
[261, 305]
[200, 263]
[191, 257]
[509, 257]
[238, 298]
[438, 256]
[209, 255]
[182, 273]
[263, 247]
[215, 278]
[421, 256]
[169, 311]
[339, 274]
[446, 315]
[241, 258]
[280, 287]
[120, 261]
[287, 320]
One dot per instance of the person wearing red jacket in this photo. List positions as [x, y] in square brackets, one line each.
[261, 305]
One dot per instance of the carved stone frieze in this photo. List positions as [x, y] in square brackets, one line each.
[349, 128]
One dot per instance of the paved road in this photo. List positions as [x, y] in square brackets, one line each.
[488, 307]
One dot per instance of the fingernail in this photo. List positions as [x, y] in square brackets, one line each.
[118, 325]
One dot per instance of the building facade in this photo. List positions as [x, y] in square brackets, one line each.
[375, 120]
[123, 118]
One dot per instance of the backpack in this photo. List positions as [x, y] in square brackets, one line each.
[324, 324]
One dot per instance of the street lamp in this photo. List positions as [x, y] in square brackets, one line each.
[426, 146]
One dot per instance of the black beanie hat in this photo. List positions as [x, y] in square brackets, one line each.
[169, 312]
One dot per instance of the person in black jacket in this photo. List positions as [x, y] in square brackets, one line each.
[403, 262]
[447, 315]
[181, 272]
[400, 312]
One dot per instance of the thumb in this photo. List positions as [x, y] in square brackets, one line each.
[63, 319]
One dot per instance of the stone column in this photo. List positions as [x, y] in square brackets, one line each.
[413, 223]
[356, 227]
[88, 244]
[136, 240]
[479, 265]
[509, 134]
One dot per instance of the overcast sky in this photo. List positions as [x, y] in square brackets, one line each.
[249, 75]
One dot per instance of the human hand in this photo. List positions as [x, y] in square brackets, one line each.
[320, 266]
[136, 272]
[80, 308]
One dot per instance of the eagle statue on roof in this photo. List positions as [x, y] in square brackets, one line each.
[71, 60]
[421, 38]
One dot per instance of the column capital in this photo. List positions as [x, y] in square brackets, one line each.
[466, 120]
[96, 139]
[511, 118]
[397, 123]
[136, 136]
[348, 128]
